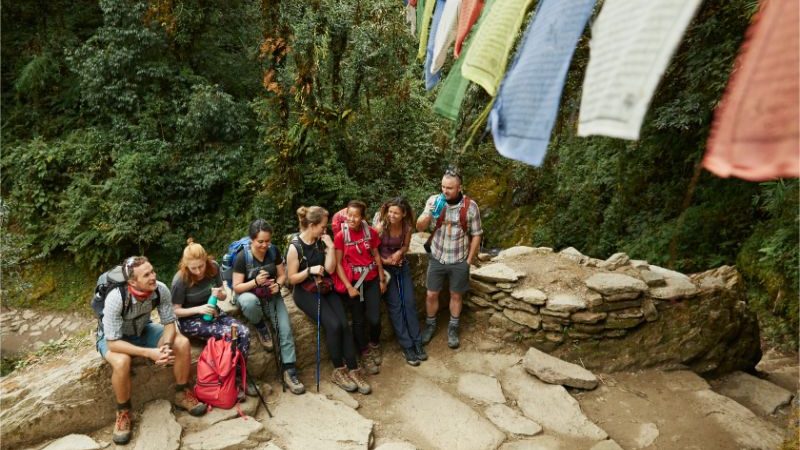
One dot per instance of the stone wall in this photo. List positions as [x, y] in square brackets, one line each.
[617, 314]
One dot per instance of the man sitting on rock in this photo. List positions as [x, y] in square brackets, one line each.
[454, 243]
[127, 332]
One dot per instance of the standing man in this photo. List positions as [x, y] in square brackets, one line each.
[127, 332]
[452, 247]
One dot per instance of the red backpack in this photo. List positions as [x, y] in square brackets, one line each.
[216, 373]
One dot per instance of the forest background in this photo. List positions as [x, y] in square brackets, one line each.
[128, 126]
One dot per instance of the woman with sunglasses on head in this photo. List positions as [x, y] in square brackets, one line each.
[309, 261]
[360, 281]
[197, 279]
[395, 224]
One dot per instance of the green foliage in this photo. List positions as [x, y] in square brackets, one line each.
[130, 126]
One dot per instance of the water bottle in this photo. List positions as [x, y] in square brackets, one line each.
[212, 301]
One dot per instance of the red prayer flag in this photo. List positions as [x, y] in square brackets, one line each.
[467, 16]
[756, 131]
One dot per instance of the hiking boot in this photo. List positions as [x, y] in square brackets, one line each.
[340, 378]
[452, 336]
[420, 351]
[411, 356]
[376, 353]
[427, 333]
[185, 400]
[358, 378]
[368, 363]
[240, 395]
[122, 427]
[294, 385]
[264, 336]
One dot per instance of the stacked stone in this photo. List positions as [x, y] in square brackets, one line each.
[611, 303]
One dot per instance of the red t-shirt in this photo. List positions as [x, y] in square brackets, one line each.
[350, 254]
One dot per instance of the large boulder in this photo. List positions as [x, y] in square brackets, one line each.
[73, 391]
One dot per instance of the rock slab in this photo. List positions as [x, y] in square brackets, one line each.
[481, 388]
[443, 421]
[158, 428]
[760, 396]
[615, 284]
[556, 371]
[497, 273]
[243, 432]
[531, 296]
[73, 442]
[511, 421]
[565, 303]
[313, 421]
[549, 405]
[747, 429]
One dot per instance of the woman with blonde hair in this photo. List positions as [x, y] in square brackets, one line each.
[197, 279]
[310, 261]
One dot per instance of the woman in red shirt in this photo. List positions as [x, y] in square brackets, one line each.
[361, 281]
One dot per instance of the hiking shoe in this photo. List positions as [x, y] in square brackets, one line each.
[185, 400]
[452, 337]
[294, 385]
[420, 351]
[122, 427]
[427, 333]
[340, 378]
[411, 356]
[264, 336]
[240, 395]
[358, 378]
[368, 363]
[376, 353]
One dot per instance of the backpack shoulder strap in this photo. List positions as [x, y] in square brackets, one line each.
[365, 226]
[462, 215]
[248, 258]
[299, 247]
[346, 233]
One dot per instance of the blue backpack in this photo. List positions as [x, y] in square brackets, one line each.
[234, 248]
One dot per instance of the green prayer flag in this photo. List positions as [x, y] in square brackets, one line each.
[451, 94]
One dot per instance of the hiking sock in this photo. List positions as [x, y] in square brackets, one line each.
[431, 321]
[181, 387]
[288, 366]
[453, 321]
[123, 406]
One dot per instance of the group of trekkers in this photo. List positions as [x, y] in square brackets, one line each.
[328, 277]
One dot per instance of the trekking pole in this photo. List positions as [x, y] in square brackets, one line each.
[319, 306]
[276, 341]
[235, 348]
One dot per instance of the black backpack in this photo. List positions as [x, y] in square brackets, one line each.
[107, 282]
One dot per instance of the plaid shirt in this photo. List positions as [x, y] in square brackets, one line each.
[115, 326]
[450, 243]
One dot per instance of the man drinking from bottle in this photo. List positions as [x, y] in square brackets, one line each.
[452, 247]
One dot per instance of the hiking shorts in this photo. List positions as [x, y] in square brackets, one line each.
[457, 273]
[150, 336]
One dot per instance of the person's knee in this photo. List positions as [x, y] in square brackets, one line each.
[456, 296]
[120, 362]
[181, 346]
[432, 296]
